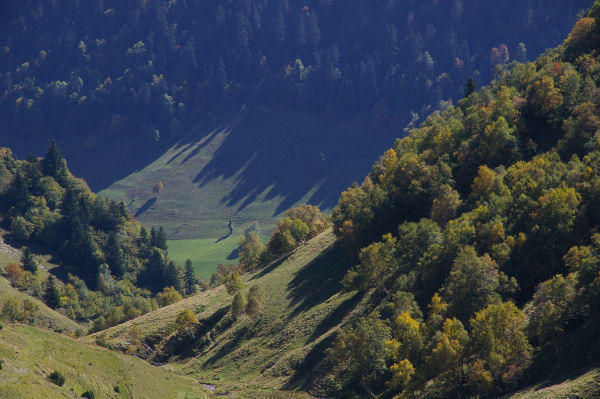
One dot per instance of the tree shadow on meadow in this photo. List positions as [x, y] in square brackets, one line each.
[147, 205]
[318, 280]
[289, 158]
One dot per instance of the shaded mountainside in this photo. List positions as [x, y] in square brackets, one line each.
[29, 355]
[313, 92]
[249, 167]
[120, 82]
[152, 70]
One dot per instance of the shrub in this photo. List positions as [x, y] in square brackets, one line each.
[238, 305]
[186, 321]
[88, 394]
[168, 296]
[12, 310]
[57, 378]
[582, 29]
[256, 298]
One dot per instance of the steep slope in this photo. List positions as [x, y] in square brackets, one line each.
[151, 70]
[285, 348]
[282, 349]
[479, 234]
[30, 354]
[585, 385]
[44, 316]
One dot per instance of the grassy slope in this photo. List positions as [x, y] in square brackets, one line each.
[30, 354]
[250, 167]
[304, 305]
[583, 385]
[45, 317]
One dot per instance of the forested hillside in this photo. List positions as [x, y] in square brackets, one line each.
[145, 72]
[479, 233]
[109, 268]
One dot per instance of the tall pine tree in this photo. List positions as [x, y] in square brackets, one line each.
[189, 279]
[53, 160]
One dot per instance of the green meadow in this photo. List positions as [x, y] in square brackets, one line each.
[206, 253]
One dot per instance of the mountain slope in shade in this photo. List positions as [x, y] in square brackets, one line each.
[250, 167]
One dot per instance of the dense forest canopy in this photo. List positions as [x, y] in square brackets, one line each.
[478, 236]
[152, 69]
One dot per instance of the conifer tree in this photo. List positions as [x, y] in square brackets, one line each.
[144, 242]
[28, 261]
[470, 87]
[51, 295]
[114, 255]
[52, 162]
[173, 277]
[189, 278]
[159, 238]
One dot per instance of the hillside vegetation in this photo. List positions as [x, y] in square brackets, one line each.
[282, 349]
[468, 257]
[466, 264]
[106, 266]
[479, 230]
[44, 316]
[29, 355]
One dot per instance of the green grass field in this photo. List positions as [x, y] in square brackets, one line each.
[30, 354]
[206, 253]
